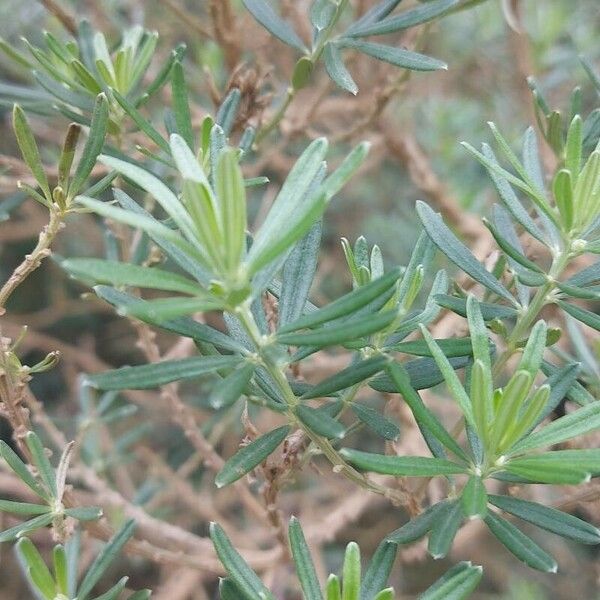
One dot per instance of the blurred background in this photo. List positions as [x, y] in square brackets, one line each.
[415, 124]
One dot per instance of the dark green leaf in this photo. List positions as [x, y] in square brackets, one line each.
[355, 373]
[346, 305]
[250, 456]
[474, 498]
[452, 347]
[181, 107]
[457, 252]
[237, 568]
[226, 392]
[21, 470]
[350, 330]
[578, 423]
[19, 530]
[456, 584]
[40, 460]
[319, 422]
[376, 421]
[104, 559]
[298, 274]
[550, 519]
[426, 420]
[401, 466]
[93, 145]
[123, 274]
[379, 570]
[410, 18]
[587, 317]
[23, 508]
[183, 326]
[395, 56]
[419, 526]
[336, 69]
[444, 529]
[29, 150]
[489, 311]
[303, 562]
[154, 375]
[272, 22]
[523, 547]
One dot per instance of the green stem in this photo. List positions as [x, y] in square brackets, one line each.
[339, 465]
[291, 91]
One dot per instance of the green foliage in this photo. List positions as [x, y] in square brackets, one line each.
[217, 260]
[60, 584]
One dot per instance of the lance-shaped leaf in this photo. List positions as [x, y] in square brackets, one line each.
[183, 326]
[29, 151]
[444, 530]
[142, 123]
[36, 568]
[398, 57]
[523, 547]
[21, 470]
[355, 373]
[229, 186]
[419, 526]
[456, 584]
[181, 107]
[298, 274]
[346, 305]
[351, 570]
[320, 422]
[40, 460]
[164, 309]
[120, 274]
[426, 420]
[348, 167]
[578, 423]
[583, 461]
[303, 562]
[552, 473]
[154, 375]
[105, 558]
[154, 186]
[250, 456]
[23, 508]
[474, 498]
[379, 11]
[457, 252]
[226, 392]
[409, 18]
[23, 528]
[291, 208]
[336, 69]
[228, 110]
[452, 381]
[401, 466]
[93, 145]
[182, 253]
[378, 571]
[547, 518]
[262, 11]
[518, 259]
[509, 198]
[511, 400]
[488, 311]
[245, 578]
[587, 317]
[375, 421]
[451, 347]
[350, 330]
